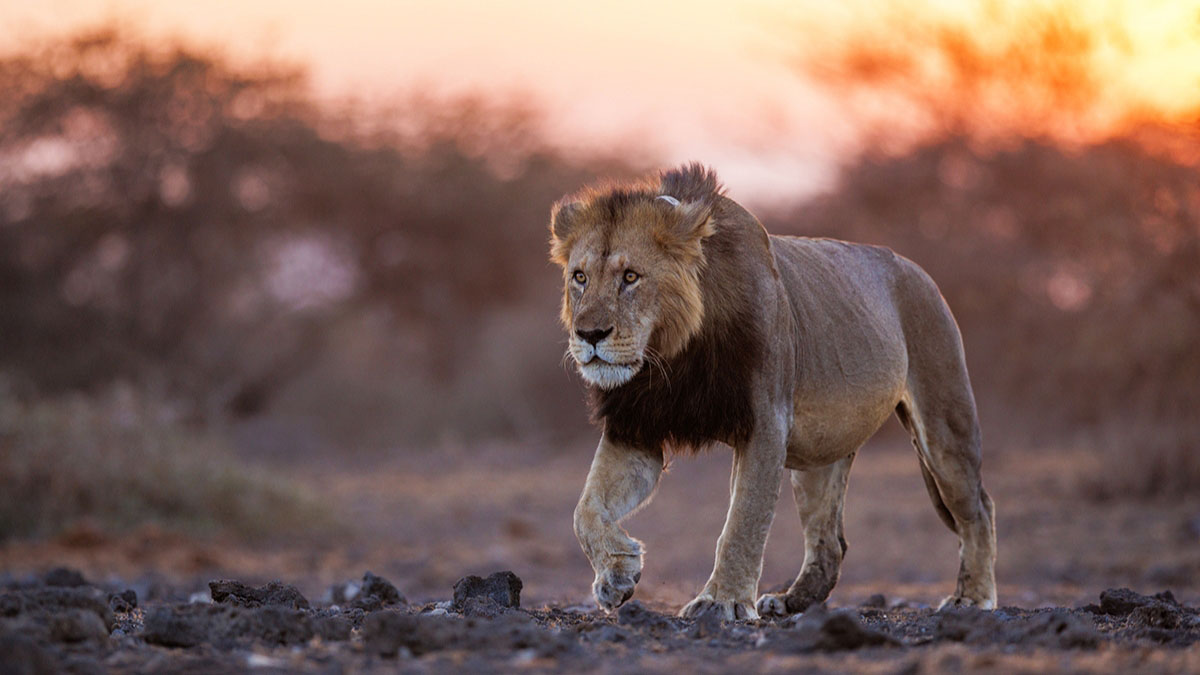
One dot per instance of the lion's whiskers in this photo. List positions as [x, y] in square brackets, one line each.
[654, 359]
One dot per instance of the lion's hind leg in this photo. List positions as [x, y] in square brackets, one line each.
[820, 497]
[946, 436]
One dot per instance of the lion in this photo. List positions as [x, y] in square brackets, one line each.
[692, 326]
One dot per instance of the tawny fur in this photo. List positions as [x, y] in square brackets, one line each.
[694, 327]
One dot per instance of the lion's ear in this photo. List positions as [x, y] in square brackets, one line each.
[690, 220]
[563, 218]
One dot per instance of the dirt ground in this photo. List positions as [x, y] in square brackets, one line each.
[423, 521]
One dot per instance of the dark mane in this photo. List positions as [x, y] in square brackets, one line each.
[706, 393]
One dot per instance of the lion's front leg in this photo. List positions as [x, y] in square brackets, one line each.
[621, 479]
[733, 586]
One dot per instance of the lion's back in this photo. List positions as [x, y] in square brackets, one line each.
[828, 280]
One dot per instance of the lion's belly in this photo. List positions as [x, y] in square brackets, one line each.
[824, 430]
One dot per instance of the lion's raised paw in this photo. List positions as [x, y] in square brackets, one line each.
[612, 588]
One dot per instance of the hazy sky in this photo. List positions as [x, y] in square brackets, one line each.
[688, 80]
[698, 79]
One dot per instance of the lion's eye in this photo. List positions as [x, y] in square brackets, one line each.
[580, 277]
[631, 276]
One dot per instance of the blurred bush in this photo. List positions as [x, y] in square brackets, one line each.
[116, 463]
[205, 232]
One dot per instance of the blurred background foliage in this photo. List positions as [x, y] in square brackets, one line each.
[203, 241]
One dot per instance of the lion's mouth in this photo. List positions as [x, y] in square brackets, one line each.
[597, 359]
[607, 375]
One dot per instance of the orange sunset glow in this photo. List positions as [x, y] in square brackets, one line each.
[778, 92]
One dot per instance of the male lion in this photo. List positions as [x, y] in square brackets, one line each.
[693, 326]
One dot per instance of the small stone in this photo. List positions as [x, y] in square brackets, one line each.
[274, 593]
[502, 587]
[383, 589]
[64, 577]
[166, 627]
[876, 601]
[1122, 601]
[1157, 614]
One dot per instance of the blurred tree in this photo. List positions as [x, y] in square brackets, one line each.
[199, 229]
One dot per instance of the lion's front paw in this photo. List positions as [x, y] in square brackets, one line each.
[727, 609]
[613, 586]
[613, 589]
[773, 605]
[964, 601]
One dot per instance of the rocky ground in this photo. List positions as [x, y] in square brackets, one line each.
[153, 600]
[61, 622]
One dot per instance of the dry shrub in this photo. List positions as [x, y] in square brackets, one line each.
[1143, 461]
[111, 463]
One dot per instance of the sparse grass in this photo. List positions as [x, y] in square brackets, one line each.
[117, 465]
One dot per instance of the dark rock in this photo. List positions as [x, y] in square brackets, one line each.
[1157, 614]
[822, 630]
[387, 593]
[367, 603]
[171, 628]
[226, 625]
[1122, 601]
[64, 577]
[483, 607]
[275, 624]
[877, 601]
[503, 587]
[41, 603]
[77, 625]
[273, 593]
[125, 601]
[638, 616]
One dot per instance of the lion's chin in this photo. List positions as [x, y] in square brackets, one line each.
[607, 375]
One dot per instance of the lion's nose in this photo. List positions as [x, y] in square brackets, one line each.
[593, 336]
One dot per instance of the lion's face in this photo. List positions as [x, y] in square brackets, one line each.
[613, 305]
[631, 280]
